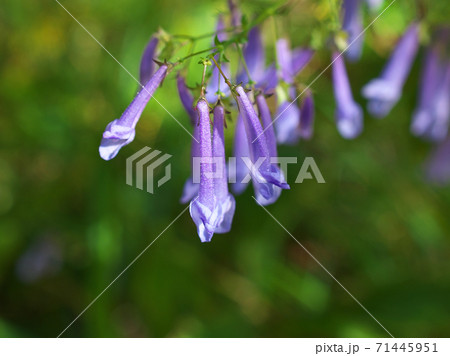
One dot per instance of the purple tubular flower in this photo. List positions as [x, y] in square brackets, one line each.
[307, 116]
[267, 177]
[288, 114]
[147, 64]
[224, 200]
[284, 59]
[352, 24]
[287, 122]
[213, 210]
[292, 62]
[265, 79]
[349, 115]
[438, 166]
[190, 190]
[202, 209]
[240, 150]
[384, 92]
[431, 118]
[120, 132]
[254, 57]
[441, 110]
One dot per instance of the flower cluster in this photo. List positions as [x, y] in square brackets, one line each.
[259, 127]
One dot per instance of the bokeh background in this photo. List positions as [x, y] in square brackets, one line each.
[69, 224]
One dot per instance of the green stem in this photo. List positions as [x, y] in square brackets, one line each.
[203, 80]
[195, 54]
[221, 72]
[191, 49]
[244, 63]
[262, 17]
[206, 35]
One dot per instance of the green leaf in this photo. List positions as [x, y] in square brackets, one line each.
[217, 41]
[224, 58]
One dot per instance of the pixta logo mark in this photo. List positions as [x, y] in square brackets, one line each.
[141, 162]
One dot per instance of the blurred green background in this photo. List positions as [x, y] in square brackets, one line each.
[69, 224]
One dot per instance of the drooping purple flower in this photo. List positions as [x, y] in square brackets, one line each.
[384, 92]
[287, 119]
[307, 116]
[441, 109]
[213, 209]
[239, 170]
[349, 115]
[291, 63]
[190, 189]
[438, 166]
[352, 24]
[203, 209]
[147, 64]
[121, 132]
[288, 114]
[264, 79]
[431, 118]
[284, 60]
[254, 58]
[224, 200]
[254, 54]
[267, 177]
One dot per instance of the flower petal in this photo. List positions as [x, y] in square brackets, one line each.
[300, 58]
[286, 122]
[240, 150]
[307, 116]
[190, 191]
[147, 64]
